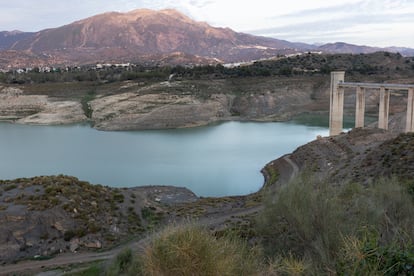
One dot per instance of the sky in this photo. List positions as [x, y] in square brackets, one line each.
[363, 22]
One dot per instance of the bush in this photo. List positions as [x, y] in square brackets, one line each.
[190, 250]
[125, 263]
[309, 219]
[68, 235]
[10, 187]
[303, 219]
[367, 256]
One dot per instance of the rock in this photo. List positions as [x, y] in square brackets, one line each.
[74, 245]
[93, 244]
[11, 91]
[114, 229]
[54, 113]
[129, 111]
[58, 226]
[38, 109]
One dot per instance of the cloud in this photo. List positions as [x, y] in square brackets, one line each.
[295, 20]
[358, 22]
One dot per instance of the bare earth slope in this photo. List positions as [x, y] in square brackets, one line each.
[37, 109]
[360, 155]
[176, 104]
[188, 104]
[139, 34]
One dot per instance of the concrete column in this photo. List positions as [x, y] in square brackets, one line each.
[383, 108]
[360, 107]
[410, 111]
[336, 111]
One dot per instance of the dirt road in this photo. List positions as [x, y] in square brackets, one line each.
[34, 266]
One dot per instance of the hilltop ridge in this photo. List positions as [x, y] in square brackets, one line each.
[135, 35]
[145, 35]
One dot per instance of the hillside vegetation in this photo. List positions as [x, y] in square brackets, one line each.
[308, 227]
[314, 224]
[381, 64]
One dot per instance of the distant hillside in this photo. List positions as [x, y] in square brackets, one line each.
[143, 36]
[146, 32]
[408, 52]
[342, 47]
[8, 39]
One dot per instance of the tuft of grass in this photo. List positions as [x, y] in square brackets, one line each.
[288, 265]
[190, 250]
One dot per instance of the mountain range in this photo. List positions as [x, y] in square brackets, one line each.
[148, 36]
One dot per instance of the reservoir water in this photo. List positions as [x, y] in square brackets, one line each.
[217, 160]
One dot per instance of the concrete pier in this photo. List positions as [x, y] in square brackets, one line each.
[336, 113]
[410, 111]
[384, 105]
[360, 107]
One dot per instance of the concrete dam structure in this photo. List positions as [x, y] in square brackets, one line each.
[337, 91]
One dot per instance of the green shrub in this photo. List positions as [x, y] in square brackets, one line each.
[151, 216]
[94, 270]
[303, 218]
[68, 235]
[10, 187]
[125, 263]
[367, 256]
[117, 197]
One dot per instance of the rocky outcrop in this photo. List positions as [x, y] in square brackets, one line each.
[156, 111]
[56, 113]
[182, 104]
[15, 105]
[37, 109]
[361, 155]
[49, 215]
[175, 104]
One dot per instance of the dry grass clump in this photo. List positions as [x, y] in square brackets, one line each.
[188, 250]
[191, 250]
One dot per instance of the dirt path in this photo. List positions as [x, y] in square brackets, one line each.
[87, 257]
[63, 259]
[295, 168]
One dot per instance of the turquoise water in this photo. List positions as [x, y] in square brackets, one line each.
[217, 160]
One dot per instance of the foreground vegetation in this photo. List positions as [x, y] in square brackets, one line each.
[307, 228]
[348, 229]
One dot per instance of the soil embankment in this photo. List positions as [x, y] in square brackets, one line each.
[18, 107]
[175, 104]
[360, 155]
